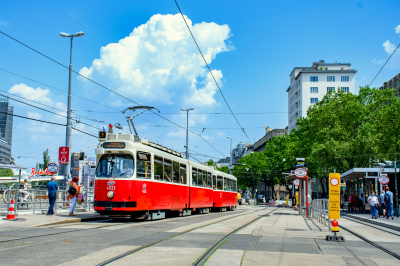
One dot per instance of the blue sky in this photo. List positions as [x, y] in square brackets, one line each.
[252, 45]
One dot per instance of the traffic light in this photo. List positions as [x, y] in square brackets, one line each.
[82, 156]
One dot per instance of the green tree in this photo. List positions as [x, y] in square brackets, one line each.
[224, 169]
[46, 160]
[210, 162]
[6, 172]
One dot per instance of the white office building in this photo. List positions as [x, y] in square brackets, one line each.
[308, 85]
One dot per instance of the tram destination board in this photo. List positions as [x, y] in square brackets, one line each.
[114, 145]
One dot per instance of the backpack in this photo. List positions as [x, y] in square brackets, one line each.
[72, 191]
[387, 197]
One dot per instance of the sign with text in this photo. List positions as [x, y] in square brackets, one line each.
[300, 172]
[383, 179]
[52, 168]
[296, 182]
[114, 145]
[63, 155]
[334, 196]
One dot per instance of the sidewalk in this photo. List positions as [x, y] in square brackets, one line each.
[36, 220]
[366, 217]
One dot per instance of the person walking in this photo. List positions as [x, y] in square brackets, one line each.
[23, 189]
[389, 203]
[293, 201]
[382, 205]
[341, 202]
[73, 191]
[373, 201]
[350, 206]
[52, 188]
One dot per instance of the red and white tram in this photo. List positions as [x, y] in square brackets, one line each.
[137, 177]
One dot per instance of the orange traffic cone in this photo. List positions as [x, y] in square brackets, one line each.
[11, 213]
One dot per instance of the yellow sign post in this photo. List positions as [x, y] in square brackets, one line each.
[297, 197]
[334, 196]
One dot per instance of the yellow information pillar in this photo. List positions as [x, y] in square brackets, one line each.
[334, 196]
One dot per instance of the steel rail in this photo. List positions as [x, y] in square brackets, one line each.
[370, 225]
[200, 261]
[163, 239]
[397, 256]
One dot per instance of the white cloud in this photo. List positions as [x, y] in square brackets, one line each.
[220, 133]
[377, 62]
[4, 23]
[39, 95]
[34, 115]
[159, 63]
[389, 47]
[397, 29]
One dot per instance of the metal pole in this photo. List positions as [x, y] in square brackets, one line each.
[187, 134]
[396, 196]
[230, 168]
[17, 193]
[68, 133]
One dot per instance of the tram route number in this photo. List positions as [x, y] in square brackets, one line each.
[114, 145]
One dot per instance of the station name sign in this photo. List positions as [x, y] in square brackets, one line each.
[114, 145]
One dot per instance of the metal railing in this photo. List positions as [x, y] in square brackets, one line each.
[38, 200]
[320, 211]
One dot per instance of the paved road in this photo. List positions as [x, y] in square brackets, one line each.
[278, 237]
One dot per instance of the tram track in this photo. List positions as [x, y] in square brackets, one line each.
[393, 254]
[178, 234]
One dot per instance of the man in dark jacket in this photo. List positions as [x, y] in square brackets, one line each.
[52, 188]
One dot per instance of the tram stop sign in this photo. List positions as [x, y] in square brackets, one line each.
[300, 172]
[334, 196]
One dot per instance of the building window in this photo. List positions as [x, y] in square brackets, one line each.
[314, 100]
[345, 78]
[314, 89]
[314, 79]
[331, 78]
[330, 89]
[344, 89]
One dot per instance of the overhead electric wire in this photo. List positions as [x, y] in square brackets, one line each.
[193, 113]
[59, 89]
[104, 87]
[216, 83]
[384, 64]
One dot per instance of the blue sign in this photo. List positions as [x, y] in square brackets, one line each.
[72, 168]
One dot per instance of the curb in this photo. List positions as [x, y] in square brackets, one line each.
[393, 227]
[74, 220]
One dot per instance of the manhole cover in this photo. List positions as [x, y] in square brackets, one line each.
[290, 229]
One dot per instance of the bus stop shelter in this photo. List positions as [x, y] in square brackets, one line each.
[363, 181]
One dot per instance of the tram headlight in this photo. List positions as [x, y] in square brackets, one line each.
[110, 194]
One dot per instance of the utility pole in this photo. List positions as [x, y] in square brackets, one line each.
[68, 133]
[187, 130]
[230, 168]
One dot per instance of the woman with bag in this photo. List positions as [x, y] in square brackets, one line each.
[373, 202]
[73, 191]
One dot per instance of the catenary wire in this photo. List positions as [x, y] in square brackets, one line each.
[105, 87]
[384, 64]
[216, 83]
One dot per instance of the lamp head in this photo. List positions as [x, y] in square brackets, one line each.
[78, 34]
[229, 137]
[65, 35]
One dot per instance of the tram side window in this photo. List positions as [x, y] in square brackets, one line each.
[220, 185]
[167, 170]
[182, 177]
[209, 180]
[225, 183]
[158, 168]
[204, 179]
[235, 186]
[230, 185]
[194, 176]
[214, 182]
[143, 165]
[176, 172]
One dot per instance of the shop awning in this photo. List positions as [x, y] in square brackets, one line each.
[357, 173]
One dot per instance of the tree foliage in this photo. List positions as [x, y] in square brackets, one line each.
[46, 160]
[6, 172]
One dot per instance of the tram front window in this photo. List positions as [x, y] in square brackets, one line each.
[115, 165]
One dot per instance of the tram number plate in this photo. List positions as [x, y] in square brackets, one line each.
[114, 145]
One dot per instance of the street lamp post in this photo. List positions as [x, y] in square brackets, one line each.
[68, 133]
[187, 130]
[230, 154]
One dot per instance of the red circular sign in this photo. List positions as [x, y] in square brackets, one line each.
[383, 179]
[52, 168]
[334, 182]
[300, 172]
[296, 182]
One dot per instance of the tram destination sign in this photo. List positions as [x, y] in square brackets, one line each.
[114, 145]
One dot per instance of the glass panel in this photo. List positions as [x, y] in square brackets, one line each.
[225, 184]
[235, 183]
[176, 172]
[143, 165]
[214, 181]
[167, 170]
[115, 165]
[209, 180]
[183, 176]
[203, 174]
[158, 168]
[220, 185]
[194, 176]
